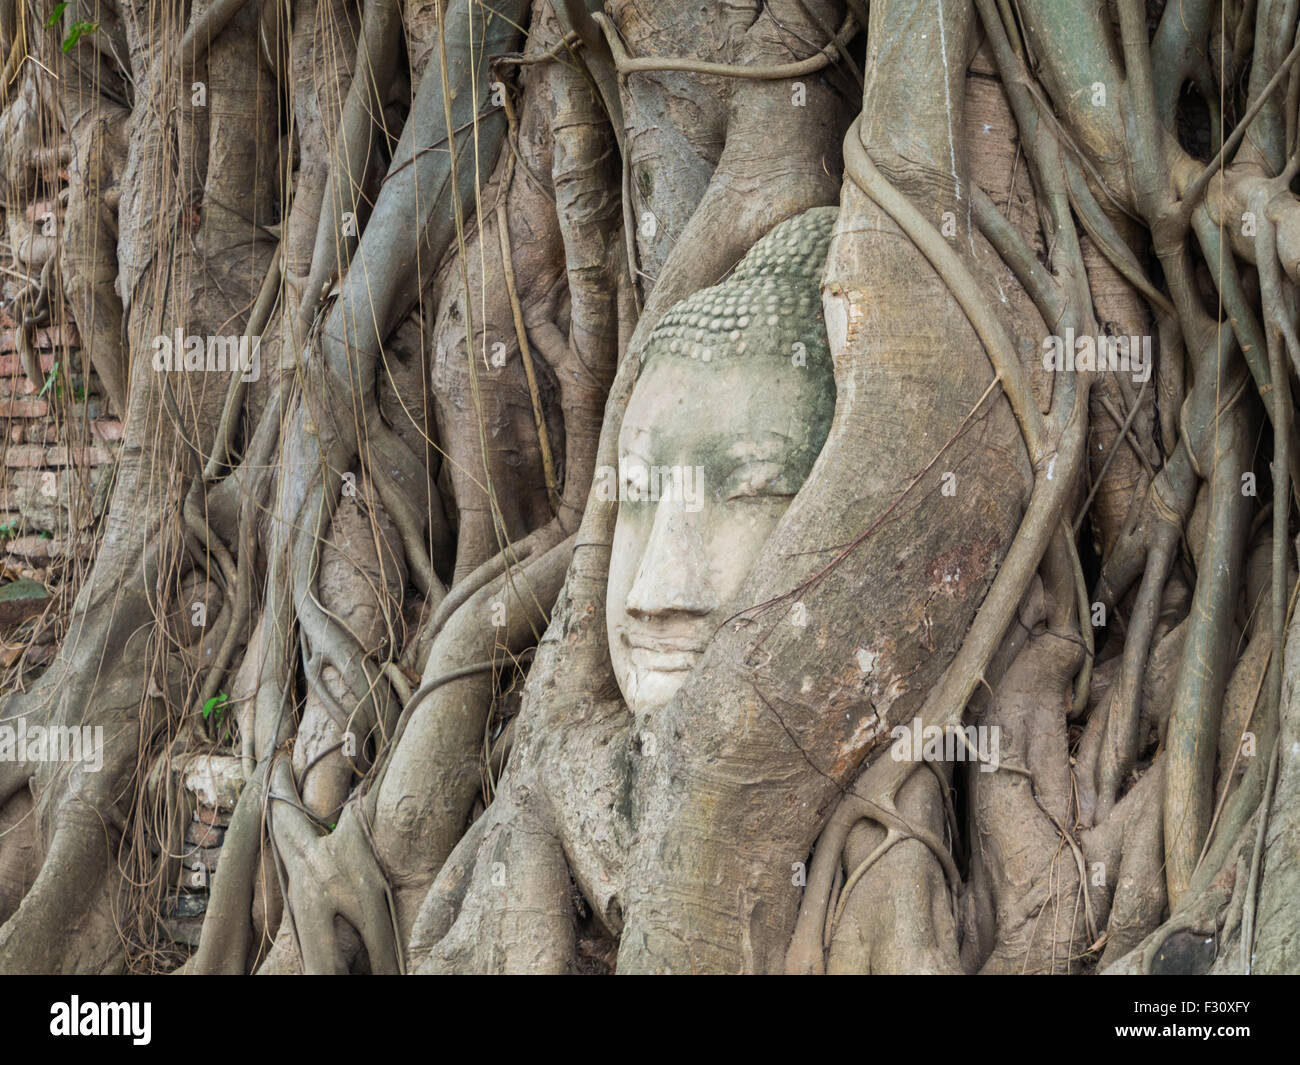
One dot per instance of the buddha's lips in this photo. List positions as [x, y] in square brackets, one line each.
[665, 655]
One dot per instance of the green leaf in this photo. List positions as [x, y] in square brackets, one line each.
[214, 703]
[55, 15]
[76, 32]
[49, 380]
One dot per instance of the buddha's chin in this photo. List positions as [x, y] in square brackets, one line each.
[649, 688]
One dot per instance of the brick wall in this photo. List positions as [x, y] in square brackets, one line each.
[59, 444]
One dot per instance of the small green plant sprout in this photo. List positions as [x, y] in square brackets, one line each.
[215, 704]
[76, 31]
[50, 378]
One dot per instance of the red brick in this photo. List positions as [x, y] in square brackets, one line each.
[67, 336]
[204, 835]
[36, 431]
[25, 456]
[24, 407]
[43, 339]
[12, 365]
[38, 548]
[54, 337]
[210, 815]
[110, 430]
[27, 481]
[32, 456]
[82, 456]
[32, 547]
[38, 209]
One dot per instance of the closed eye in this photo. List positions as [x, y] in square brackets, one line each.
[758, 479]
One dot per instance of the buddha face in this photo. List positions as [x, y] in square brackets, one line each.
[710, 456]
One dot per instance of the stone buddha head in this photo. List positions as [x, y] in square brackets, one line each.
[730, 409]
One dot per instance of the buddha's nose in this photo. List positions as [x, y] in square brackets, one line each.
[673, 576]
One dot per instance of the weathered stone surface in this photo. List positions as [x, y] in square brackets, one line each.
[680, 552]
[187, 904]
[215, 780]
[21, 600]
[40, 548]
[210, 856]
[51, 499]
[184, 929]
